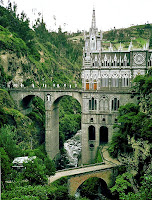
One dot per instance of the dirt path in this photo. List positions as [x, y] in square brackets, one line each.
[106, 157]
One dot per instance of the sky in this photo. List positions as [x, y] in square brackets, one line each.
[76, 15]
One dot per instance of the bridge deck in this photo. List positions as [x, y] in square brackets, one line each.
[109, 163]
[78, 171]
[50, 89]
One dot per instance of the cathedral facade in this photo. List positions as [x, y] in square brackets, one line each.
[106, 80]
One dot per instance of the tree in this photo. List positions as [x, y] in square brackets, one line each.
[121, 36]
[5, 165]
[143, 85]
[95, 188]
[34, 172]
[50, 167]
[131, 123]
[122, 187]
[8, 141]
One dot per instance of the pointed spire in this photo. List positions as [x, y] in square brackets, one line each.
[144, 47]
[84, 35]
[110, 48]
[93, 26]
[147, 45]
[130, 46]
[120, 47]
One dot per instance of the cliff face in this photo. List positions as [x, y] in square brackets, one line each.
[36, 55]
[51, 67]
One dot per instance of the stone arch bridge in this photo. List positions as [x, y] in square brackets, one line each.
[99, 111]
[77, 176]
[51, 97]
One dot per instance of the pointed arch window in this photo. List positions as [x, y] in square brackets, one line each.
[91, 131]
[104, 104]
[125, 82]
[92, 104]
[95, 85]
[115, 104]
[105, 81]
[87, 85]
[114, 82]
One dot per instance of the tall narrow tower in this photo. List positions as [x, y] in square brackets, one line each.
[90, 56]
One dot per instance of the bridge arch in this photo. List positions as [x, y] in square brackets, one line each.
[23, 98]
[75, 181]
[93, 187]
[57, 97]
[52, 140]
[32, 94]
[25, 102]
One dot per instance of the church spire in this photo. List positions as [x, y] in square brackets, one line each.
[93, 19]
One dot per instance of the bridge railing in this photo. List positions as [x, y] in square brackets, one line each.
[53, 86]
[29, 89]
[82, 166]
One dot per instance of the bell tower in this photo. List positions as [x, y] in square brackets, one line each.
[91, 54]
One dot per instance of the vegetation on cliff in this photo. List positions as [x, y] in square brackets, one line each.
[132, 144]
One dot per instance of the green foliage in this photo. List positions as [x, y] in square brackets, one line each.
[98, 156]
[28, 192]
[4, 77]
[122, 183]
[15, 24]
[143, 85]
[5, 165]
[28, 82]
[50, 167]
[38, 117]
[50, 54]
[133, 134]
[70, 117]
[34, 172]
[95, 188]
[5, 99]
[3, 118]
[19, 38]
[9, 41]
[46, 161]
[133, 123]
[122, 187]
[61, 193]
[37, 192]
[8, 141]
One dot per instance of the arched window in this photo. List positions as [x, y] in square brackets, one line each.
[87, 84]
[91, 131]
[103, 134]
[115, 104]
[125, 82]
[91, 120]
[105, 82]
[95, 85]
[104, 104]
[48, 97]
[114, 82]
[92, 104]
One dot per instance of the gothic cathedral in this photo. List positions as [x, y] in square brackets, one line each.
[106, 80]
